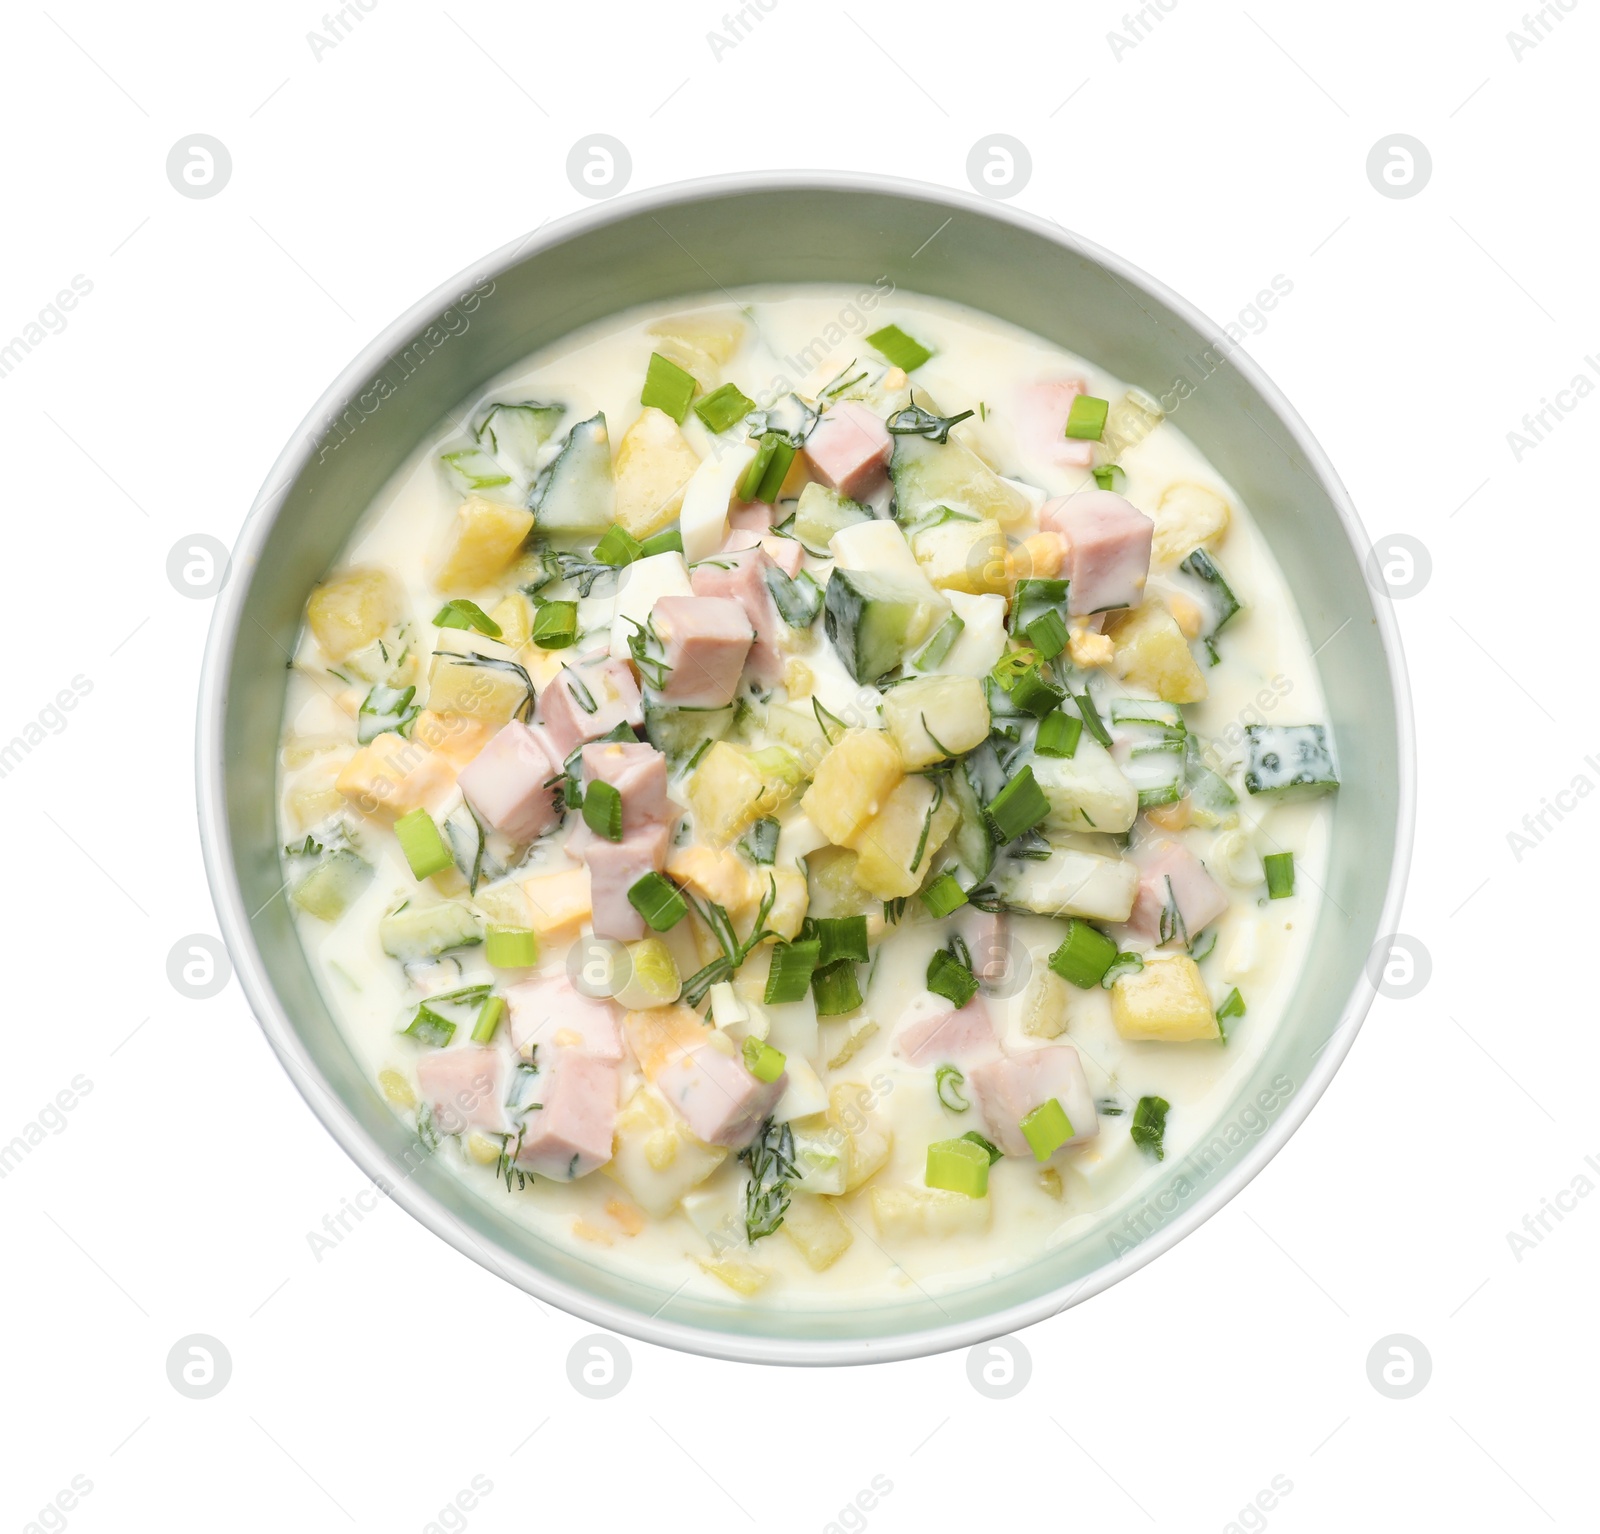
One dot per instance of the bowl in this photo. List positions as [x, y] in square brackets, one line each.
[730, 232]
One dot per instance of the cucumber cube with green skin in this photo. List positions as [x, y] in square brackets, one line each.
[971, 841]
[1088, 791]
[821, 513]
[928, 476]
[1204, 582]
[331, 888]
[1157, 774]
[1211, 801]
[1290, 760]
[679, 732]
[426, 931]
[515, 433]
[577, 493]
[875, 619]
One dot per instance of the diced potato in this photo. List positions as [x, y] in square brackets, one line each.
[352, 610]
[654, 465]
[700, 343]
[852, 784]
[1038, 557]
[1166, 1000]
[655, 1157]
[1044, 1006]
[1187, 516]
[931, 712]
[504, 903]
[1152, 652]
[867, 1133]
[963, 556]
[895, 850]
[662, 1035]
[456, 737]
[391, 776]
[906, 1213]
[480, 692]
[484, 539]
[397, 1089]
[482, 1149]
[515, 617]
[716, 875]
[732, 789]
[740, 1276]
[818, 1229]
[861, 1030]
[793, 897]
[313, 802]
[558, 904]
[835, 891]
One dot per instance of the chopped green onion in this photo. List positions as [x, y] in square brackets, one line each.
[1017, 808]
[831, 725]
[792, 967]
[555, 624]
[1034, 693]
[943, 896]
[659, 901]
[511, 947]
[763, 1061]
[1046, 1128]
[427, 1027]
[948, 977]
[1149, 1125]
[1105, 475]
[1091, 717]
[617, 546]
[896, 347]
[602, 810]
[1129, 964]
[422, 843]
[988, 1147]
[958, 1166]
[1058, 734]
[842, 937]
[1047, 634]
[1086, 420]
[836, 989]
[948, 1082]
[765, 476]
[1012, 667]
[669, 542]
[760, 842]
[1084, 956]
[459, 613]
[1280, 874]
[489, 1015]
[667, 387]
[723, 406]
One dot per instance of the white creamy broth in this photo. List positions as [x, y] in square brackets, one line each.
[884, 1217]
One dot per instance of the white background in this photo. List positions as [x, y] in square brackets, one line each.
[370, 1387]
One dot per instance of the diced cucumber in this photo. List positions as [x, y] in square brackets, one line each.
[679, 732]
[1072, 883]
[1150, 711]
[1211, 801]
[1288, 759]
[474, 469]
[330, 889]
[1087, 790]
[798, 598]
[1203, 583]
[464, 835]
[928, 475]
[514, 433]
[821, 513]
[386, 708]
[875, 619]
[971, 840]
[577, 493]
[426, 931]
[933, 654]
[1156, 772]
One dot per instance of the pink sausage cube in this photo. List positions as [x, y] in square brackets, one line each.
[587, 700]
[717, 1097]
[987, 935]
[1108, 549]
[848, 449]
[1042, 410]
[937, 1032]
[569, 1134]
[705, 640]
[466, 1088]
[740, 573]
[509, 782]
[785, 553]
[638, 772]
[614, 869]
[1165, 867]
[756, 518]
[546, 1008]
[1010, 1088]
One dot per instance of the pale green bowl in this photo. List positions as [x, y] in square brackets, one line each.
[802, 227]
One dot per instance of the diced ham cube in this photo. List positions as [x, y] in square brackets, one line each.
[570, 1133]
[741, 574]
[757, 518]
[1108, 549]
[934, 1031]
[509, 782]
[614, 869]
[638, 772]
[717, 1097]
[785, 553]
[987, 935]
[1042, 423]
[466, 1088]
[549, 1010]
[1010, 1088]
[1200, 900]
[705, 640]
[588, 700]
[848, 449]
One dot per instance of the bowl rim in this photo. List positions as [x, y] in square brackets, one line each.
[340, 1122]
